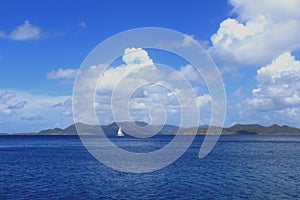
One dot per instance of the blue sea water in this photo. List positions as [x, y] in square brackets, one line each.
[239, 167]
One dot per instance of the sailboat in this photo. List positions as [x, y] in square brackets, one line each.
[120, 133]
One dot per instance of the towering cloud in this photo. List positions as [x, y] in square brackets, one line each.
[261, 31]
[278, 84]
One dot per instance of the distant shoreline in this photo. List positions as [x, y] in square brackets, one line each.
[111, 130]
[92, 135]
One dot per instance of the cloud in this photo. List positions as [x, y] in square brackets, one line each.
[282, 65]
[278, 84]
[38, 110]
[276, 98]
[203, 100]
[277, 8]
[186, 41]
[146, 88]
[66, 113]
[136, 56]
[65, 104]
[11, 109]
[263, 34]
[24, 32]
[190, 73]
[32, 118]
[82, 24]
[6, 96]
[17, 106]
[62, 74]
[260, 32]
[6, 112]
[137, 62]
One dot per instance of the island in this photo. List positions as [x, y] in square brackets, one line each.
[112, 129]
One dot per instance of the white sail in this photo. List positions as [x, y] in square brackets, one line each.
[120, 133]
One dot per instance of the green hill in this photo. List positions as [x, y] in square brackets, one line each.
[133, 128]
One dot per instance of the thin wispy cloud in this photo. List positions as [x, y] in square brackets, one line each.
[61, 74]
[186, 41]
[82, 24]
[21, 108]
[66, 113]
[6, 96]
[17, 106]
[32, 118]
[7, 108]
[65, 104]
[11, 109]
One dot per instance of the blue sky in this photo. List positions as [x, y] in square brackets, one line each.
[43, 43]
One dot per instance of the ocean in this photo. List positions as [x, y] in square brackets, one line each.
[239, 167]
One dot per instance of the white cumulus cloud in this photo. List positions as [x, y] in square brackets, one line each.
[138, 88]
[282, 65]
[278, 84]
[133, 56]
[277, 93]
[261, 31]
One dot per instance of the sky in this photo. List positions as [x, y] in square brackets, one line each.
[255, 45]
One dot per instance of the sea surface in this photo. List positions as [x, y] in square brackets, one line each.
[239, 167]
